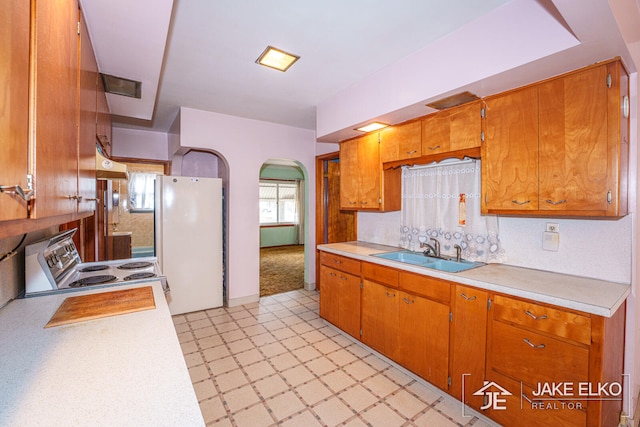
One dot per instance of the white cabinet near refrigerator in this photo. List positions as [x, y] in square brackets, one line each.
[188, 230]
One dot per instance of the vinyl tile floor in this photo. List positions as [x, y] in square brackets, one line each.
[277, 363]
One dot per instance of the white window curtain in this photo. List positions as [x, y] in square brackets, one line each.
[141, 189]
[432, 208]
[300, 210]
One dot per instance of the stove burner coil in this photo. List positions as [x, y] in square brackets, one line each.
[135, 265]
[92, 280]
[136, 276]
[94, 268]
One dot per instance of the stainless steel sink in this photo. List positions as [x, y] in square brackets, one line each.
[441, 264]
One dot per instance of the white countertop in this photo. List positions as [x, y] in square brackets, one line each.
[579, 293]
[125, 370]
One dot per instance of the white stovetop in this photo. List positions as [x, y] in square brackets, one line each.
[125, 370]
[579, 293]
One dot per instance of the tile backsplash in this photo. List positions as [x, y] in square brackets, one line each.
[599, 249]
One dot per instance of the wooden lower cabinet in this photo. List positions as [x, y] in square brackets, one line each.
[380, 322]
[479, 346]
[469, 309]
[423, 338]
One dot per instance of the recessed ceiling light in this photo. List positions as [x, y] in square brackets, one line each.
[276, 58]
[372, 126]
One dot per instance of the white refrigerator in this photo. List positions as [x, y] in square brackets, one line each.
[188, 233]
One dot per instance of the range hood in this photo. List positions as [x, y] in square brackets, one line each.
[108, 169]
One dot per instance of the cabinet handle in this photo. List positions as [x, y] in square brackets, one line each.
[352, 203]
[434, 147]
[390, 295]
[412, 152]
[332, 274]
[93, 199]
[407, 300]
[556, 203]
[363, 203]
[468, 298]
[337, 261]
[16, 189]
[343, 278]
[532, 345]
[533, 316]
[76, 197]
[521, 203]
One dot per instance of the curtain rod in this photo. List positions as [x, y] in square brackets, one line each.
[455, 162]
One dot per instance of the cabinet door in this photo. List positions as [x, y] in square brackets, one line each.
[435, 134]
[380, 317]
[510, 152]
[329, 292]
[453, 129]
[401, 142]
[14, 105]
[55, 140]
[349, 304]
[573, 142]
[88, 78]
[349, 174]
[423, 341]
[368, 170]
[468, 344]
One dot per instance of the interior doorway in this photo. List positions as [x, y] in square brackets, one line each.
[332, 224]
[282, 220]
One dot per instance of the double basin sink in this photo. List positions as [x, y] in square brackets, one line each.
[421, 260]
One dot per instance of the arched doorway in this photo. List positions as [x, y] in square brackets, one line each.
[283, 215]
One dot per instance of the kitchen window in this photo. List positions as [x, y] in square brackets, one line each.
[141, 192]
[278, 202]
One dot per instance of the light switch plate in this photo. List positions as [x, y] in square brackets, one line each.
[551, 241]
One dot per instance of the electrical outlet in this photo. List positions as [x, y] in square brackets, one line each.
[553, 227]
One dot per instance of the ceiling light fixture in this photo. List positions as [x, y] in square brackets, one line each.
[276, 58]
[372, 126]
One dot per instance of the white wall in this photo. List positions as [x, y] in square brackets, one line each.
[139, 144]
[593, 248]
[246, 145]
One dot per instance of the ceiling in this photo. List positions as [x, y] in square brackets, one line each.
[201, 53]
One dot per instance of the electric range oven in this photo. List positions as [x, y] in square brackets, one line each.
[54, 265]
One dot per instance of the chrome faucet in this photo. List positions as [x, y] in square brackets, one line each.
[435, 249]
[458, 253]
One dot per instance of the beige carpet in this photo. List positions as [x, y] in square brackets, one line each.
[281, 269]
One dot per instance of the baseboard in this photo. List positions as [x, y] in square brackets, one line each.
[309, 286]
[234, 302]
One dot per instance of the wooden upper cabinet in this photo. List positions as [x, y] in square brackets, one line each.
[559, 147]
[87, 83]
[401, 142]
[360, 171]
[55, 137]
[573, 142]
[456, 128]
[14, 105]
[510, 152]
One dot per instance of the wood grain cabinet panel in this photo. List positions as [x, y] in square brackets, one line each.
[401, 142]
[559, 147]
[510, 152]
[468, 343]
[363, 183]
[340, 293]
[380, 321]
[423, 338]
[55, 101]
[456, 128]
[14, 105]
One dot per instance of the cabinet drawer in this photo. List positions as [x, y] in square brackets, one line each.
[425, 286]
[348, 265]
[522, 405]
[543, 318]
[533, 358]
[380, 274]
